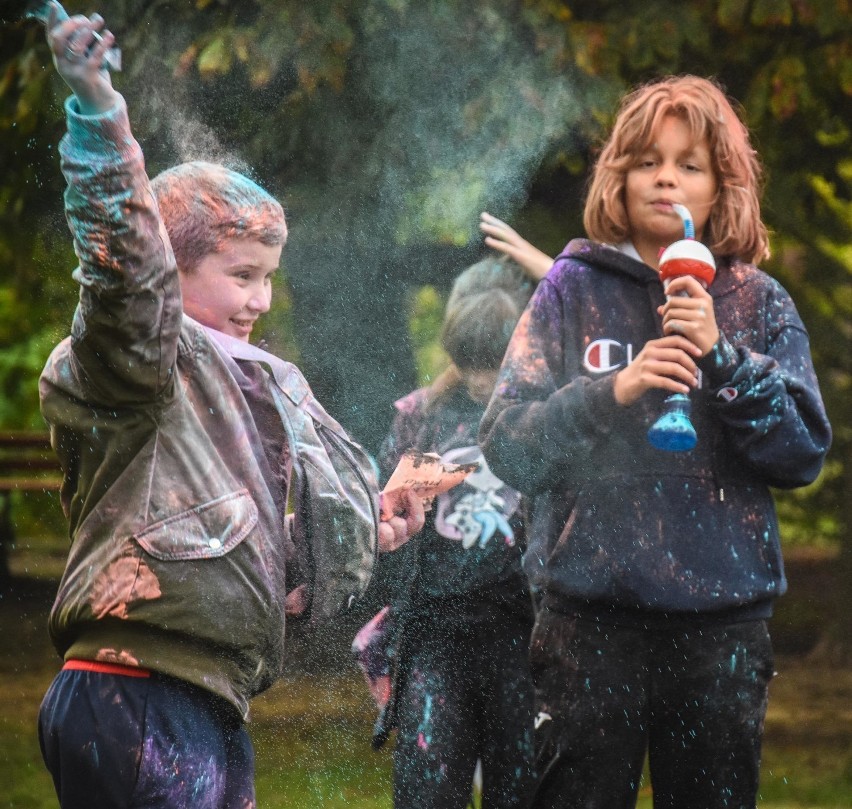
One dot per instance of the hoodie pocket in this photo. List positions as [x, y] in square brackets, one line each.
[669, 543]
[207, 531]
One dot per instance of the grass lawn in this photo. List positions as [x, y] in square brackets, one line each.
[312, 731]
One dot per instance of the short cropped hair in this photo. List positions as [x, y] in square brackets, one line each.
[484, 306]
[734, 227]
[203, 205]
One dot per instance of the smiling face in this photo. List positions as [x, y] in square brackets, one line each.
[673, 169]
[228, 290]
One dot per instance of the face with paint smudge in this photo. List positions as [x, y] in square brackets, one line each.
[674, 168]
[231, 288]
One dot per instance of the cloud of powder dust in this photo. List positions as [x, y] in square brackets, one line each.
[447, 109]
[188, 138]
[470, 109]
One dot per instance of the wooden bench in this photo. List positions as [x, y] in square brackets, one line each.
[27, 464]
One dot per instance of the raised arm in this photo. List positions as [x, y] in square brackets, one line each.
[504, 239]
[125, 330]
[78, 48]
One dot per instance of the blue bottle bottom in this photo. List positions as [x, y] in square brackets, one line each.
[673, 431]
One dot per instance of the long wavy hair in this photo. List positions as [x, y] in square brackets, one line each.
[734, 228]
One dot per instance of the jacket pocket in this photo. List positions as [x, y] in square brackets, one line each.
[203, 532]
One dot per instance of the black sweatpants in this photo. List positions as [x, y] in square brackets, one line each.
[467, 695]
[694, 699]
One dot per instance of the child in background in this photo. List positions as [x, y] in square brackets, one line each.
[460, 603]
[180, 443]
[658, 570]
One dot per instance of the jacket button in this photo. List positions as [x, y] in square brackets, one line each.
[215, 543]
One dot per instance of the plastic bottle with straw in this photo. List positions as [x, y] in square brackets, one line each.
[673, 430]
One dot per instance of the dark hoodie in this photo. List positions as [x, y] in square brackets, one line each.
[467, 558]
[620, 528]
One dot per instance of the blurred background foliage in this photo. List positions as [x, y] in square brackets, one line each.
[386, 126]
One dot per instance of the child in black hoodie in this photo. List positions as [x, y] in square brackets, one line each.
[658, 570]
[461, 604]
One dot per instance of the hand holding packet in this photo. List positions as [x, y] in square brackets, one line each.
[40, 10]
[426, 474]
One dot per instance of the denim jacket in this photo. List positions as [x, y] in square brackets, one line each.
[178, 551]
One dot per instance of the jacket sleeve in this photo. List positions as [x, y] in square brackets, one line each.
[545, 417]
[125, 329]
[770, 403]
[395, 569]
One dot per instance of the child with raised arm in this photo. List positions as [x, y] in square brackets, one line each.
[181, 444]
[460, 602]
[658, 570]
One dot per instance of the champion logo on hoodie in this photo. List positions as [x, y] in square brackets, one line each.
[605, 355]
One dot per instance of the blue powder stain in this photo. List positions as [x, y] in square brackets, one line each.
[424, 723]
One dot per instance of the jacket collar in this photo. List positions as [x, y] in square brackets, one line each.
[285, 374]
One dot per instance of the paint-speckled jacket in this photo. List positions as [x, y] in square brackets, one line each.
[177, 561]
[618, 526]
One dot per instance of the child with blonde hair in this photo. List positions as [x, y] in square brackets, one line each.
[658, 570]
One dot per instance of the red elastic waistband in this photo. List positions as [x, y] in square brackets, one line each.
[105, 668]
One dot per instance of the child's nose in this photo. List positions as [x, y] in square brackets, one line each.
[665, 175]
[261, 299]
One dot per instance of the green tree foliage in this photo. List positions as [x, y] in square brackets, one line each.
[387, 125]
